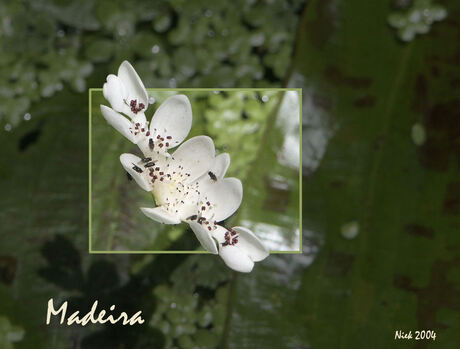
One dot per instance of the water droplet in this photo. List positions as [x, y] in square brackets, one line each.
[350, 230]
[27, 116]
[7, 127]
[265, 98]
[418, 134]
[155, 49]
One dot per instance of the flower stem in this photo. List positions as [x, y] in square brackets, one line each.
[228, 317]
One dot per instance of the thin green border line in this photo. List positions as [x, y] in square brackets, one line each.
[175, 252]
[298, 90]
[89, 155]
[300, 169]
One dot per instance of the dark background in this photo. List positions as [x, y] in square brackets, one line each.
[365, 166]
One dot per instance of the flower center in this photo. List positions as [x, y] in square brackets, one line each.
[138, 128]
[170, 188]
[231, 238]
[204, 214]
[135, 108]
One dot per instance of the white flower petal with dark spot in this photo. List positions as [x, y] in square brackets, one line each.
[172, 120]
[128, 98]
[196, 155]
[133, 83]
[239, 248]
[132, 165]
[224, 197]
[204, 237]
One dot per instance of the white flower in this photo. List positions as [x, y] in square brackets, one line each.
[183, 188]
[239, 248]
[126, 94]
[189, 185]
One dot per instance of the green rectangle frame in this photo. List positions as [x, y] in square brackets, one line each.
[298, 90]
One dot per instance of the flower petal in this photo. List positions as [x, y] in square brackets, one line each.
[204, 237]
[118, 121]
[251, 244]
[133, 83]
[129, 161]
[174, 119]
[115, 92]
[196, 156]
[221, 164]
[143, 145]
[236, 259]
[159, 214]
[225, 196]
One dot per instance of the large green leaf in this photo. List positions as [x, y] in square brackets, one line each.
[363, 92]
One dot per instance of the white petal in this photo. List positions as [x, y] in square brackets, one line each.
[143, 144]
[236, 259]
[221, 164]
[159, 214]
[128, 161]
[139, 118]
[196, 156]
[115, 92]
[133, 83]
[251, 244]
[189, 207]
[118, 121]
[204, 237]
[225, 196]
[175, 116]
[219, 233]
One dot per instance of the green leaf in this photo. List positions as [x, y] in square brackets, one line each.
[364, 167]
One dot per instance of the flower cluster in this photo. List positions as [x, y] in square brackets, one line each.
[189, 184]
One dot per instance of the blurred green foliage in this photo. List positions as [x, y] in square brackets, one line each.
[9, 334]
[417, 19]
[186, 320]
[46, 44]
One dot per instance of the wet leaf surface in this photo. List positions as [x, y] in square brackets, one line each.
[366, 88]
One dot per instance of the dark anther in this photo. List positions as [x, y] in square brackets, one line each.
[137, 169]
[212, 175]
